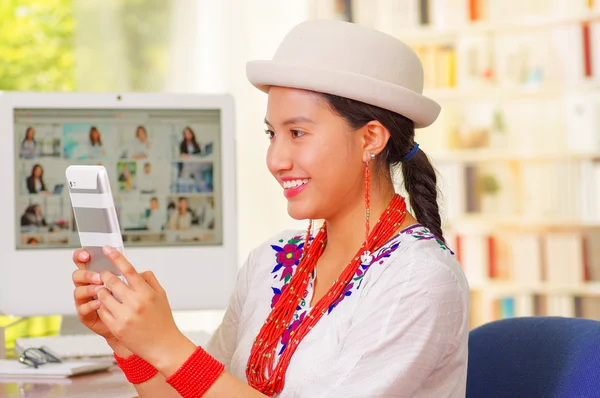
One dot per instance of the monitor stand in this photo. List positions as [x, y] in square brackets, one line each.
[70, 324]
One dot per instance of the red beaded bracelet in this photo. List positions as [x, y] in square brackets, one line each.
[196, 375]
[136, 369]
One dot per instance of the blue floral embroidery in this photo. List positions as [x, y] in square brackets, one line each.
[288, 255]
[419, 232]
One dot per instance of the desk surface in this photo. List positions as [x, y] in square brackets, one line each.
[110, 384]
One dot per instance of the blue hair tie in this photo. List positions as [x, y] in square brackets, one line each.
[412, 152]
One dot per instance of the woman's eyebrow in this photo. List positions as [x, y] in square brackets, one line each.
[293, 120]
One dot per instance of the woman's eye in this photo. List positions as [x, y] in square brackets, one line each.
[270, 134]
[297, 134]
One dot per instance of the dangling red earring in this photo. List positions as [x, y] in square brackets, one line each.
[368, 197]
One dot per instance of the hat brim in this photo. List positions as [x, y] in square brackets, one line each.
[421, 110]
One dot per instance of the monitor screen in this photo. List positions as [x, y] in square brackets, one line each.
[164, 168]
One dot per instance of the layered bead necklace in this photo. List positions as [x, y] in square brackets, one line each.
[261, 371]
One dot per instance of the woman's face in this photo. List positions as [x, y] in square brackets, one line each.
[37, 171]
[30, 133]
[141, 134]
[187, 134]
[313, 154]
[183, 206]
[95, 135]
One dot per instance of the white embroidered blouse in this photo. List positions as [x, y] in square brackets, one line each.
[401, 329]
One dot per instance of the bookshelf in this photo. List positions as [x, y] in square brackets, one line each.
[517, 144]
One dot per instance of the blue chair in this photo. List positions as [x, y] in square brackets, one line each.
[535, 357]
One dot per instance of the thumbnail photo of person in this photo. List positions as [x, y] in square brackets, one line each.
[187, 143]
[190, 212]
[40, 141]
[179, 214]
[152, 178]
[155, 216]
[33, 218]
[142, 214]
[191, 177]
[48, 214]
[83, 141]
[126, 172]
[29, 146]
[45, 178]
[143, 224]
[135, 146]
[35, 181]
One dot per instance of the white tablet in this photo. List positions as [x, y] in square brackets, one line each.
[95, 213]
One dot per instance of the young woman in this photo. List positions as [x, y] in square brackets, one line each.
[35, 181]
[371, 304]
[96, 149]
[141, 147]
[189, 145]
[29, 147]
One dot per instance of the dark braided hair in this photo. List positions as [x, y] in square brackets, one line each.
[419, 175]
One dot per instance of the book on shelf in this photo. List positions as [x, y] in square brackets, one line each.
[559, 191]
[546, 272]
[442, 14]
[563, 55]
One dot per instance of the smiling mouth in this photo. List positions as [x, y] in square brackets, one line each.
[294, 183]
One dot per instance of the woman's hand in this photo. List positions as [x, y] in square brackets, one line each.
[142, 320]
[87, 285]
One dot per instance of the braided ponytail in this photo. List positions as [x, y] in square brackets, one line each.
[419, 175]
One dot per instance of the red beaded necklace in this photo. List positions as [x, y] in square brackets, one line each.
[260, 372]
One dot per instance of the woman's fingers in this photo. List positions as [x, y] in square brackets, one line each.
[107, 317]
[108, 303]
[85, 277]
[81, 258]
[85, 292]
[134, 279]
[115, 285]
[87, 308]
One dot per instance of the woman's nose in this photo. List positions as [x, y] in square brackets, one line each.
[279, 156]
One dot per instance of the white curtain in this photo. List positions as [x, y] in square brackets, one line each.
[123, 45]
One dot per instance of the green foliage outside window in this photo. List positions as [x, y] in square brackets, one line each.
[37, 45]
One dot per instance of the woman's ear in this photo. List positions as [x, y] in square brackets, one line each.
[375, 138]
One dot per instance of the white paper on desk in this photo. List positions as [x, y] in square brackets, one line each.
[60, 381]
[13, 368]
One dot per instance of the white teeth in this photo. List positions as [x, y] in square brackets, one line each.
[294, 183]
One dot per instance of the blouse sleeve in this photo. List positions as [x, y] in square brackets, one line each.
[408, 325]
[223, 342]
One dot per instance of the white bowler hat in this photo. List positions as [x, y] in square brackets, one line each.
[351, 61]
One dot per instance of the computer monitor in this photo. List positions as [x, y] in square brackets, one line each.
[170, 158]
